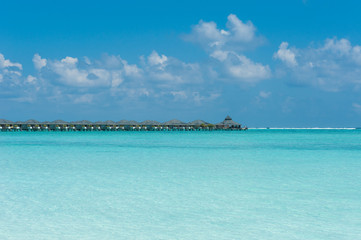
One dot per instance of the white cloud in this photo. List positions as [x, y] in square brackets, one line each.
[286, 55]
[168, 71]
[110, 73]
[155, 59]
[238, 36]
[30, 79]
[70, 61]
[69, 74]
[117, 79]
[10, 73]
[6, 63]
[332, 66]
[131, 69]
[239, 68]
[248, 71]
[85, 80]
[220, 55]
[16, 87]
[39, 62]
[72, 76]
[243, 32]
[227, 46]
[341, 47]
[207, 33]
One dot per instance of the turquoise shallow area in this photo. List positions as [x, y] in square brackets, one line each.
[259, 184]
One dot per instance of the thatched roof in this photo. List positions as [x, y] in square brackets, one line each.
[59, 122]
[197, 123]
[82, 122]
[228, 122]
[174, 122]
[126, 122]
[31, 121]
[150, 123]
[109, 122]
[4, 121]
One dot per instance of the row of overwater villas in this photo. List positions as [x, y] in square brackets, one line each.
[124, 125]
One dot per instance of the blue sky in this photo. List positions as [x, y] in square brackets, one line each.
[265, 63]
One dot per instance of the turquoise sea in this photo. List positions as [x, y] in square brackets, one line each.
[259, 184]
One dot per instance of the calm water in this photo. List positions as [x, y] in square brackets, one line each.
[260, 184]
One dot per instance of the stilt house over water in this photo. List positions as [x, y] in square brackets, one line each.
[123, 125]
[229, 123]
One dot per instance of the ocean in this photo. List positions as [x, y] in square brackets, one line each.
[256, 184]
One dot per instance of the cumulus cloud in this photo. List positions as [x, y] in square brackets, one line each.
[154, 74]
[246, 70]
[239, 31]
[86, 80]
[13, 85]
[332, 66]
[30, 79]
[131, 70]
[286, 55]
[71, 75]
[6, 63]
[170, 72]
[237, 67]
[239, 35]
[154, 59]
[39, 62]
[227, 47]
[10, 72]
[110, 72]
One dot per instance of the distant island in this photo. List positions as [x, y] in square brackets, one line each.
[123, 125]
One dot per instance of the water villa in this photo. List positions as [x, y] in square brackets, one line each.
[123, 125]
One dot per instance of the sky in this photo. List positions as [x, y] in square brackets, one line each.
[265, 63]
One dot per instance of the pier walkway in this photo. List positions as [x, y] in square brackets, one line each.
[123, 125]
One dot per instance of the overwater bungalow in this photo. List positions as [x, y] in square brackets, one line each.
[83, 125]
[109, 125]
[175, 124]
[57, 125]
[199, 124]
[6, 125]
[228, 123]
[128, 125]
[29, 125]
[151, 125]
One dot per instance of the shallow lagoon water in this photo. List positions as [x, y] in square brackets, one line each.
[259, 184]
